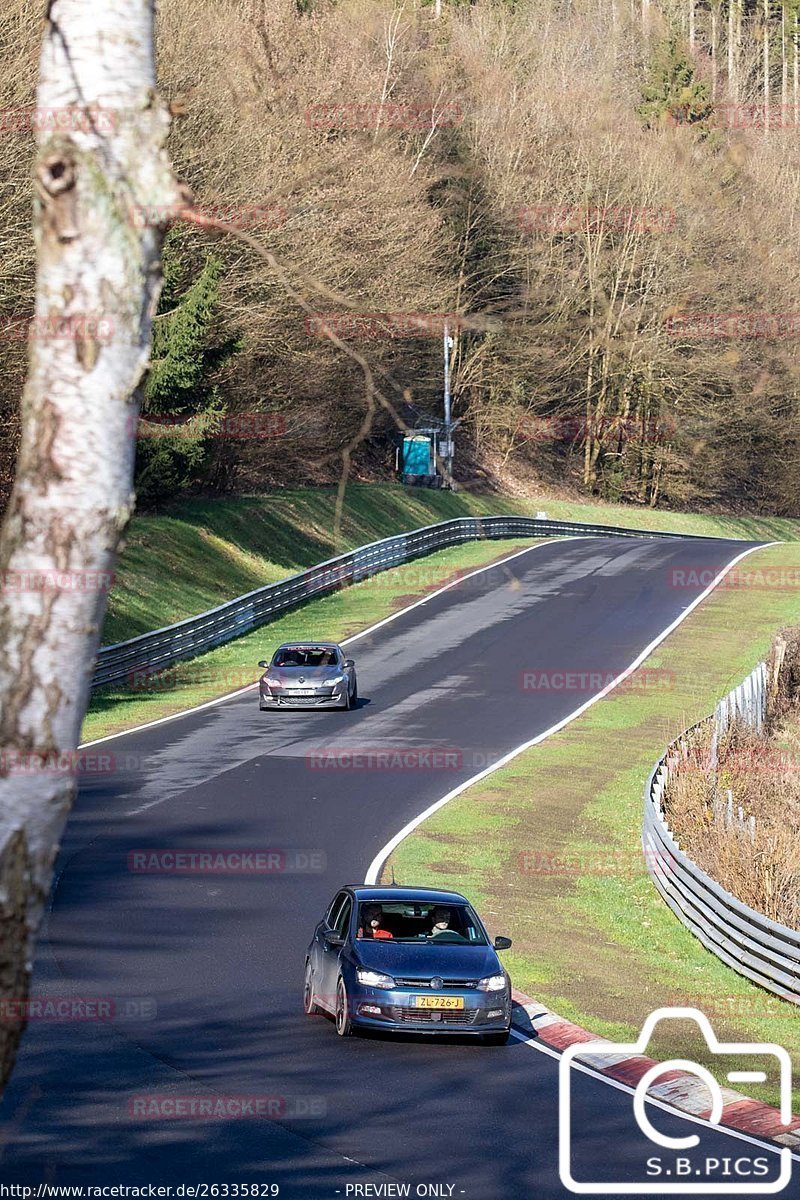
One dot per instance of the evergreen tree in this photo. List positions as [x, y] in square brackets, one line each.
[182, 406]
[672, 93]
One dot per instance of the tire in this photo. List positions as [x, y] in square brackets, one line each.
[310, 1006]
[355, 694]
[496, 1039]
[344, 1026]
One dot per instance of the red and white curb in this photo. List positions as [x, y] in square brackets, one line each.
[679, 1089]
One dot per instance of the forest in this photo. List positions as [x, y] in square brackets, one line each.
[598, 196]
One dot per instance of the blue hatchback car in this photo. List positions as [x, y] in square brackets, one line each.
[412, 959]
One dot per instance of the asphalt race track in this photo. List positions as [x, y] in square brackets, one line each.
[210, 967]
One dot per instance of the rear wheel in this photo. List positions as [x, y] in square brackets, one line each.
[310, 1006]
[344, 1026]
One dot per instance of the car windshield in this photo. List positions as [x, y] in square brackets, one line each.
[445, 924]
[306, 656]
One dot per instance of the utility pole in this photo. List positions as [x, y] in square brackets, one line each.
[448, 421]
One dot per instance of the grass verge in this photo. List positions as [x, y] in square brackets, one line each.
[333, 617]
[549, 846]
[204, 552]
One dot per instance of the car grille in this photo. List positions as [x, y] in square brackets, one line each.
[438, 1016]
[289, 692]
[446, 983]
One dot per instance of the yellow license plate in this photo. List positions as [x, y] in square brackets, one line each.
[438, 1001]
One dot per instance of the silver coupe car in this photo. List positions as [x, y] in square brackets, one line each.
[308, 675]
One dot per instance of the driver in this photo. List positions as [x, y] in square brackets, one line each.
[441, 922]
[373, 916]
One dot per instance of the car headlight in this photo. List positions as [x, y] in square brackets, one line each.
[270, 681]
[492, 983]
[336, 679]
[374, 978]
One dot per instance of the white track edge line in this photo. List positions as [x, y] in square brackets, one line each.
[393, 843]
[380, 858]
[534, 1044]
[186, 712]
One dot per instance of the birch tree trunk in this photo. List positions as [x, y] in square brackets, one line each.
[766, 64]
[795, 70]
[731, 52]
[98, 279]
[784, 67]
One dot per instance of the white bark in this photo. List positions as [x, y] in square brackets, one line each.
[795, 71]
[73, 492]
[766, 65]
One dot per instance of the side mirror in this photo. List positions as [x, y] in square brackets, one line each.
[349, 662]
[263, 664]
[332, 938]
[502, 943]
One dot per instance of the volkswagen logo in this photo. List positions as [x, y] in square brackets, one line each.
[437, 982]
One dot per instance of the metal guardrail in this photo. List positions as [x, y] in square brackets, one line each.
[153, 651]
[757, 947]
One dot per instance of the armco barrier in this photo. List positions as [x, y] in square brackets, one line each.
[14, 891]
[754, 945]
[153, 651]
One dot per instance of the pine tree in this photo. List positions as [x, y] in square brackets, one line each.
[182, 406]
[672, 93]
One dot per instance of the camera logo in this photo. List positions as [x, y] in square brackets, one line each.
[677, 1170]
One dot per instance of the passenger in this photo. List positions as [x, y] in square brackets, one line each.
[373, 917]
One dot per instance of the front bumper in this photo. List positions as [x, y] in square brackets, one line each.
[483, 1012]
[286, 699]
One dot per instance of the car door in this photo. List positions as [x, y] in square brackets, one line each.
[339, 924]
[316, 952]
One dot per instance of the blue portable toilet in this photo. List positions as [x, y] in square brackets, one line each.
[417, 458]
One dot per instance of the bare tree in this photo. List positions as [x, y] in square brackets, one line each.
[99, 159]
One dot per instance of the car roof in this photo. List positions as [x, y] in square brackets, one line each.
[310, 642]
[398, 894]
